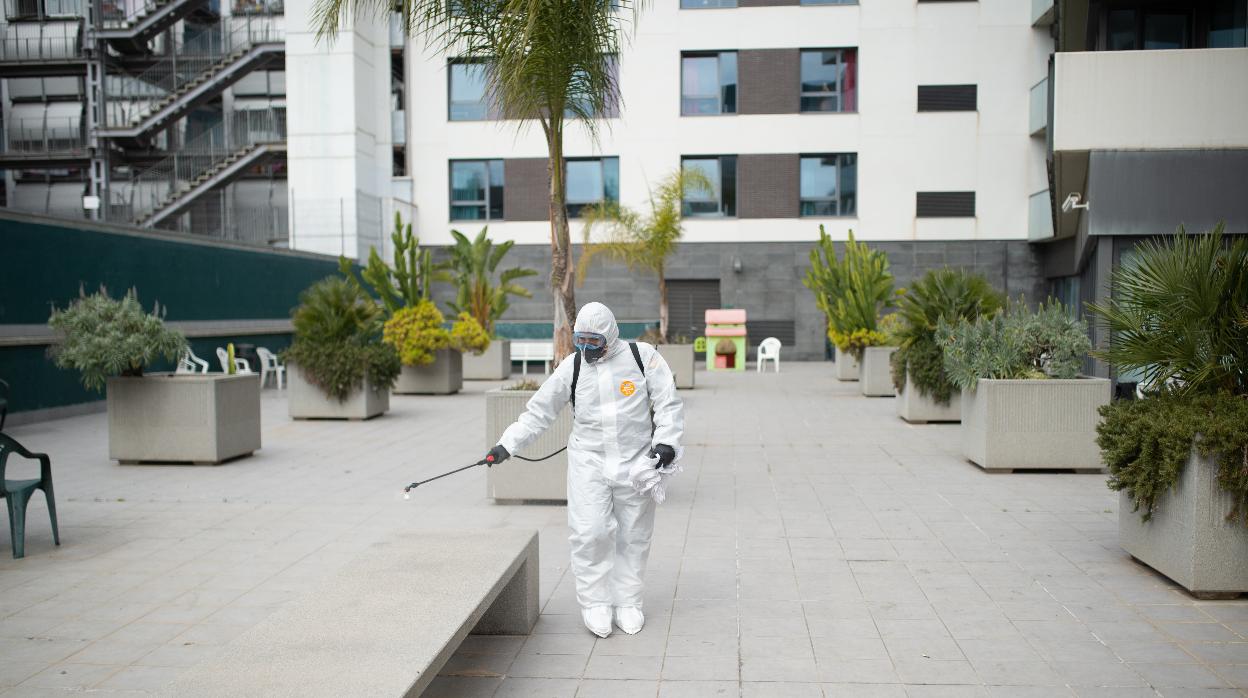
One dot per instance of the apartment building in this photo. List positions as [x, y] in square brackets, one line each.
[1143, 115]
[906, 122]
[157, 113]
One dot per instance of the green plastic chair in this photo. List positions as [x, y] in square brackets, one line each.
[17, 493]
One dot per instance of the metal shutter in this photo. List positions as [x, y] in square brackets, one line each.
[783, 330]
[687, 303]
[947, 98]
[944, 204]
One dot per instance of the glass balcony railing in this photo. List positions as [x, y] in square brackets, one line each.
[398, 127]
[1039, 216]
[1038, 112]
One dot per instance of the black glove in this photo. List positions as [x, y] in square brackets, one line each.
[497, 455]
[666, 454]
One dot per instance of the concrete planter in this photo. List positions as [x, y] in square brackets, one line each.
[875, 376]
[1034, 424]
[846, 366]
[1188, 538]
[680, 358]
[516, 479]
[307, 401]
[921, 409]
[444, 376]
[494, 364]
[183, 418]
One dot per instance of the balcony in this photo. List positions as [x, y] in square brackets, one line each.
[1038, 113]
[1150, 100]
[1041, 13]
[398, 127]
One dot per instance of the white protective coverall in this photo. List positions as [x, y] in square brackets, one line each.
[611, 523]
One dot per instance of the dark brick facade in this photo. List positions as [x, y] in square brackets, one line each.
[768, 186]
[769, 79]
[526, 192]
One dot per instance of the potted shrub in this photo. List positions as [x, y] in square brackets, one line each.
[154, 417]
[430, 354]
[924, 391]
[644, 242]
[875, 373]
[852, 291]
[337, 364]
[482, 296]
[1024, 404]
[515, 479]
[1178, 317]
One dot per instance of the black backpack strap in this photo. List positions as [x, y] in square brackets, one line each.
[637, 356]
[576, 374]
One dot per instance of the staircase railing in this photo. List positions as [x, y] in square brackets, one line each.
[46, 135]
[30, 42]
[161, 184]
[134, 97]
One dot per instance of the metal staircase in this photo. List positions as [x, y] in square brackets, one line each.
[200, 69]
[130, 33]
[212, 159]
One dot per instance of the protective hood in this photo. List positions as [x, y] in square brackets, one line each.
[598, 318]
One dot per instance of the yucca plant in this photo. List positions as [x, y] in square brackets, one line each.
[853, 291]
[1178, 314]
[643, 242]
[337, 341]
[942, 294]
[101, 337]
[474, 267]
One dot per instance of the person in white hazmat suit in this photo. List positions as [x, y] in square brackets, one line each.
[615, 445]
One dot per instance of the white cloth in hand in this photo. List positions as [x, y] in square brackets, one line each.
[652, 481]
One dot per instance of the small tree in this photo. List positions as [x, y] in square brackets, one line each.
[404, 285]
[474, 264]
[852, 291]
[644, 242]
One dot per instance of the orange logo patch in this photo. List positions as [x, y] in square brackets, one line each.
[627, 388]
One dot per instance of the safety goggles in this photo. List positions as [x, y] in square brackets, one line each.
[588, 340]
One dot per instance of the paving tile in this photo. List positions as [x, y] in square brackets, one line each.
[601, 688]
[140, 678]
[1179, 675]
[780, 689]
[698, 689]
[603, 666]
[725, 668]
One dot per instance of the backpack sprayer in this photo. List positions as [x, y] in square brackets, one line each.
[484, 461]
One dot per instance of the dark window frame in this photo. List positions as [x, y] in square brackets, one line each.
[722, 203]
[840, 197]
[710, 5]
[802, 95]
[574, 208]
[487, 203]
[491, 114]
[719, 81]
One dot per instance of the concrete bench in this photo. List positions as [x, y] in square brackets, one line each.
[386, 624]
[524, 352]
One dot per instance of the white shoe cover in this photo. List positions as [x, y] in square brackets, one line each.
[598, 620]
[629, 619]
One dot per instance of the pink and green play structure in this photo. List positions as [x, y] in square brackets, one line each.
[725, 340]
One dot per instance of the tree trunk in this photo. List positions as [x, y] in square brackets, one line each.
[663, 306]
[560, 243]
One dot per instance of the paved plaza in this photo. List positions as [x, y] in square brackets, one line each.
[815, 545]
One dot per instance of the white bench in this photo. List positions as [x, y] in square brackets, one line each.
[524, 352]
[386, 624]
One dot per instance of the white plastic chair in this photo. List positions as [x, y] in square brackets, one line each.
[240, 365]
[269, 365]
[189, 363]
[769, 350]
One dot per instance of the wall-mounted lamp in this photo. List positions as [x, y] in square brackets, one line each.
[736, 265]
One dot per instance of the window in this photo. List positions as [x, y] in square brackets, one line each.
[944, 204]
[592, 181]
[706, 4]
[1228, 28]
[829, 185]
[476, 190]
[612, 101]
[1165, 31]
[722, 172]
[1120, 30]
[1128, 30]
[708, 83]
[830, 80]
[467, 88]
[829, 2]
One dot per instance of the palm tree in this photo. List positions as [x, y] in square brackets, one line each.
[644, 242]
[545, 61]
[474, 263]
